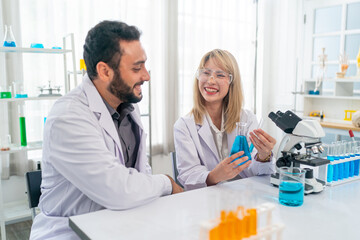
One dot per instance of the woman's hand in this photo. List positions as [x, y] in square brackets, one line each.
[263, 142]
[227, 169]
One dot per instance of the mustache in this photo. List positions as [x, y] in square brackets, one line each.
[139, 83]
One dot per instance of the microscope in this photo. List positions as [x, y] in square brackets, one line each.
[304, 136]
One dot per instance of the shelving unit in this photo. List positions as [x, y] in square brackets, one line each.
[338, 88]
[16, 211]
[336, 95]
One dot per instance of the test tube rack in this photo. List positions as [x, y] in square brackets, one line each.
[325, 171]
[243, 224]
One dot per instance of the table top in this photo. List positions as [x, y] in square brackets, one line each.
[343, 126]
[331, 214]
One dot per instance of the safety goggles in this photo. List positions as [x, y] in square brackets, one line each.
[204, 75]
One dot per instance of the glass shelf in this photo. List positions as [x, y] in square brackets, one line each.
[339, 80]
[33, 50]
[30, 147]
[29, 99]
[332, 97]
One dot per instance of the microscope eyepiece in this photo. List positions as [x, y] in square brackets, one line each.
[285, 121]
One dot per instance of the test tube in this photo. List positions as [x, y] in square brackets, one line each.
[22, 126]
[330, 156]
[352, 157]
[336, 159]
[339, 148]
[259, 126]
[357, 157]
[346, 156]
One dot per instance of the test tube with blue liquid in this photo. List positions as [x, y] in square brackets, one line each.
[355, 153]
[346, 157]
[336, 167]
[330, 156]
[241, 143]
[340, 157]
[357, 161]
[351, 153]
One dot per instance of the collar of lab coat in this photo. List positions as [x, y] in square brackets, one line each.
[204, 132]
[97, 105]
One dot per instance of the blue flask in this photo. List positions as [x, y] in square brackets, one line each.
[9, 40]
[241, 143]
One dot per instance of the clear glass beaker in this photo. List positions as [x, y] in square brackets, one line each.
[291, 188]
[18, 90]
[9, 39]
[241, 143]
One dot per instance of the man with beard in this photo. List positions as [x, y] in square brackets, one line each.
[94, 153]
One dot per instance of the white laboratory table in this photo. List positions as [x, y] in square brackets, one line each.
[331, 214]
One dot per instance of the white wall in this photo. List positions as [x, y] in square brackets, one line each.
[279, 25]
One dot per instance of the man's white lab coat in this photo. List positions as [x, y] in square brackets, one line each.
[83, 165]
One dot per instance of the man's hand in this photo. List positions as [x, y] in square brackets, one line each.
[175, 187]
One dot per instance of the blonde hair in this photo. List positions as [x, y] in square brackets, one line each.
[233, 101]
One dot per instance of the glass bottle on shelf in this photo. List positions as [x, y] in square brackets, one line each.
[9, 39]
[241, 143]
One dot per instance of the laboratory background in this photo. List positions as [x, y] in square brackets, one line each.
[301, 56]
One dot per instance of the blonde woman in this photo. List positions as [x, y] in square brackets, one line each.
[204, 137]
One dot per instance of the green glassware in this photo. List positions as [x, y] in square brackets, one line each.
[5, 95]
[23, 131]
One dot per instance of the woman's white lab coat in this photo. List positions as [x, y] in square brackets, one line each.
[83, 165]
[197, 155]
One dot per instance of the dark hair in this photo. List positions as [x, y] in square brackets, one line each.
[102, 43]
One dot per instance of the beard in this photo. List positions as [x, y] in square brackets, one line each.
[122, 91]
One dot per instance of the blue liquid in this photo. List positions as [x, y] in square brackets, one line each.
[37, 45]
[251, 147]
[9, 44]
[341, 169]
[21, 95]
[291, 193]
[330, 171]
[241, 144]
[346, 169]
[356, 166]
[352, 168]
[336, 169]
